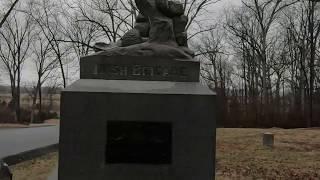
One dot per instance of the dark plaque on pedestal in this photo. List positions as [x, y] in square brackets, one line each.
[138, 142]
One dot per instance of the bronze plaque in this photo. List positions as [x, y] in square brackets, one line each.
[138, 142]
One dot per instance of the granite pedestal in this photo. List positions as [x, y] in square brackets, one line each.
[184, 111]
[160, 126]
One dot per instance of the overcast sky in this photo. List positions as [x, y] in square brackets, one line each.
[29, 74]
[226, 3]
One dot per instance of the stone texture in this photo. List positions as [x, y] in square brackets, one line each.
[140, 18]
[131, 37]
[101, 45]
[182, 39]
[148, 8]
[90, 104]
[161, 26]
[170, 8]
[150, 50]
[160, 23]
[144, 28]
[148, 68]
[175, 8]
[161, 31]
[268, 139]
[162, 5]
[146, 93]
[179, 23]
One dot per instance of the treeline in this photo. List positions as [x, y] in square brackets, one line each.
[262, 57]
[263, 60]
[25, 90]
[51, 36]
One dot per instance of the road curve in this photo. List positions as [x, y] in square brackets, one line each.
[14, 141]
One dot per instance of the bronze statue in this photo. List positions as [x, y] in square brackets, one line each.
[159, 28]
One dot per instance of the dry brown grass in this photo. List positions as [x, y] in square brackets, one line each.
[37, 169]
[240, 154]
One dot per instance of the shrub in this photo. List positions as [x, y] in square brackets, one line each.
[44, 116]
[6, 115]
[25, 116]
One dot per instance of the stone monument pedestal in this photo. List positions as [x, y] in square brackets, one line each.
[137, 130]
[138, 111]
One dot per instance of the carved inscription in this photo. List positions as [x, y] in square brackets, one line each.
[142, 71]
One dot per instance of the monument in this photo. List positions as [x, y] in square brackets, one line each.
[138, 111]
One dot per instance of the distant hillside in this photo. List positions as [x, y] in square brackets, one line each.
[7, 89]
[4, 89]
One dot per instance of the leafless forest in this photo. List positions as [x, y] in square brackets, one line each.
[261, 57]
[263, 61]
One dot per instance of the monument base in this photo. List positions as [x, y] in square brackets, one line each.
[134, 130]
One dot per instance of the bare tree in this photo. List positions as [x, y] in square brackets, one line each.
[46, 15]
[216, 70]
[32, 91]
[265, 13]
[8, 12]
[113, 18]
[303, 34]
[16, 37]
[297, 47]
[53, 87]
[210, 49]
[198, 12]
[79, 34]
[253, 31]
[45, 62]
[313, 32]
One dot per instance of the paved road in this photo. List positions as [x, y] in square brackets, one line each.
[14, 141]
[53, 175]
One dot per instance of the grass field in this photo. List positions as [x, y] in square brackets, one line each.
[37, 169]
[296, 155]
[240, 155]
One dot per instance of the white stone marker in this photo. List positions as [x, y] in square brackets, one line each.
[268, 139]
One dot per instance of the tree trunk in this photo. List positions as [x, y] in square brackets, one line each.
[34, 104]
[40, 103]
[18, 109]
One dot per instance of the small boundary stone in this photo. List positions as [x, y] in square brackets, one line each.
[268, 139]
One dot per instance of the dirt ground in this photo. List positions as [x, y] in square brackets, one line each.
[296, 155]
[240, 156]
[36, 169]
